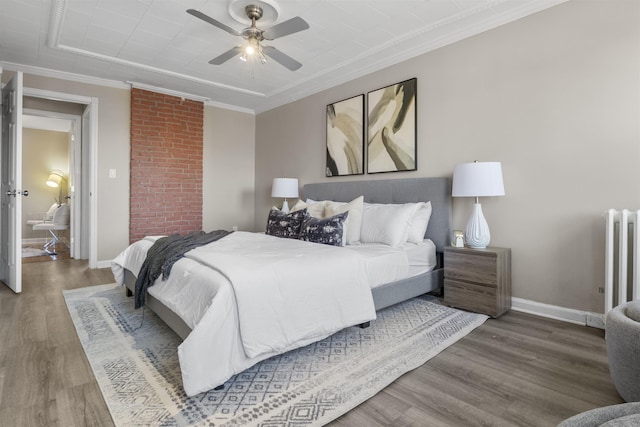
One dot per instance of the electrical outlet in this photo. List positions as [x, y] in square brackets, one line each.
[234, 228]
[601, 290]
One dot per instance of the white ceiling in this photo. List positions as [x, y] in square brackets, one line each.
[156, 45]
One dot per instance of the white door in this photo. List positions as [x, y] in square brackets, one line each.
[11, 185]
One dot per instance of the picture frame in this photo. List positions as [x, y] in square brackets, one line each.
[392, 128]
[345, 137]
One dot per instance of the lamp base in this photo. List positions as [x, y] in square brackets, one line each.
[477, 233]
[285, 206]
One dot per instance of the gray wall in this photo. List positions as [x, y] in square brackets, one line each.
[555, 97]
[113, 153]
[228, 164]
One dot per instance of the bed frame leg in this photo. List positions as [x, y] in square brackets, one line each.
[129, 293]
[220, 387]
[364, 325]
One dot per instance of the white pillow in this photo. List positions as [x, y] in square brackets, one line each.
[388, 224]
[315, 209]
[354, 220]
[419, 223]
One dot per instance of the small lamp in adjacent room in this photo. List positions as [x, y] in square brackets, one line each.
[55, 178]
[478, 179]
[284, 187]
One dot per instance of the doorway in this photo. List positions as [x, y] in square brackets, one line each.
[13, 94]
[82, 111]
[48, 141]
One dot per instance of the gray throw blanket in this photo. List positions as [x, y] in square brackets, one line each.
[164, 253]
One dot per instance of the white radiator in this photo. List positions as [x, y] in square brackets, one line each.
[622, 257]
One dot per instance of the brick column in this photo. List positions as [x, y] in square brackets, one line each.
[166, 164]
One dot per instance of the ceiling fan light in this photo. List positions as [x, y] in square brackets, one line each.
[243, 57]
[249, 50]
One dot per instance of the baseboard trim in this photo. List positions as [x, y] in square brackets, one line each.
[578, 317]
[104, 264]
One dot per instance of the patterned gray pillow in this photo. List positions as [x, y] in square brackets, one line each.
[328, 231]
[286, 225]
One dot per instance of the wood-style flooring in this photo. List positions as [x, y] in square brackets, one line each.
[57, 253]
[517, 370]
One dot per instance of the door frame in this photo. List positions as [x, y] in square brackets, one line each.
[75, 181]
[91, 104]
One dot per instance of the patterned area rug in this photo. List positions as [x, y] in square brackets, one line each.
[134, 358]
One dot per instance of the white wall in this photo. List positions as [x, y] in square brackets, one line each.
[554, 96]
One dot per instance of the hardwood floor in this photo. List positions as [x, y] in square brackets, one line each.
[517, 370]
[56, 253]
[45, 379]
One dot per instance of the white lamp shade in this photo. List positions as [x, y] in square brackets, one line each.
[284, 187]
[478, 179]
[54, 180]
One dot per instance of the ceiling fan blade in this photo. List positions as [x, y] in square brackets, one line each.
[285, 28]
[220, 59]
[213, 22]
[281, 58]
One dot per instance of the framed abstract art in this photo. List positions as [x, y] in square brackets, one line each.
[391, 136]
[345, 137]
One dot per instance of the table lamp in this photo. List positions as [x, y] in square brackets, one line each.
[477, 179]
[284, 187]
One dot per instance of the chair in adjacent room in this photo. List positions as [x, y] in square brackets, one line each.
[59, 222]
[48, 216]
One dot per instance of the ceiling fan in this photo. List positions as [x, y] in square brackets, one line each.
[254, 35]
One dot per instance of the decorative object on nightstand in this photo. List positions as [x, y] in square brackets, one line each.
[478, 280]
[284, 187]
[478, 179]
[458, 239]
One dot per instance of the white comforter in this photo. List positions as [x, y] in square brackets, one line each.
[261, 296]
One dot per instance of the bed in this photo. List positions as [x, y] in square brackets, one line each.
[222, 344]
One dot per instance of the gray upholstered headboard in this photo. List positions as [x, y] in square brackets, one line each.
[407, 190]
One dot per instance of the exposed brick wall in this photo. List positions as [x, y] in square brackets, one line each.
[166, 164]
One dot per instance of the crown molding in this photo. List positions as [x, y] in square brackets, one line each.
[64, 75]
[230, 107]
[412, 44]
[310, 85]
[206, 101]
[79, 78]
[169, 92]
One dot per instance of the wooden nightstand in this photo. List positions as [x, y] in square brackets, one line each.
[478, 279]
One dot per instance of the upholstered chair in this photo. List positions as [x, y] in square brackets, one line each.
[623, 346]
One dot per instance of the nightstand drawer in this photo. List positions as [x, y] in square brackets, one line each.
[478, 268]
[478, 279]
[472, 297]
